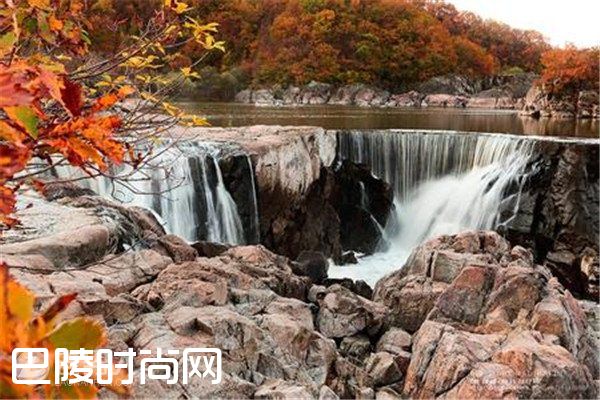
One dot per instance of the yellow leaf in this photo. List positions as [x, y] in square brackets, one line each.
[188, 73]
[39, 3]
[181, 7]
[171, 109]
[78, 333]
[20, 301]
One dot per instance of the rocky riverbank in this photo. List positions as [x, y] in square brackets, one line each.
[468, 315]
[519, 92]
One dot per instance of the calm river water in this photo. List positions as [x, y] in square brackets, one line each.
[346, 117]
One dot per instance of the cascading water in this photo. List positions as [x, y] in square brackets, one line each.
[443, 183]
[185, 189]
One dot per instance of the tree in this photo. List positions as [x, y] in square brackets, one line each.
[570, 70]
[61, 105]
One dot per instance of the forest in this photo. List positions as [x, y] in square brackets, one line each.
[383, 42]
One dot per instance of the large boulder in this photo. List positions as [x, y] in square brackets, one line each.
[345, 95]
[363, 204]
[492, 314]
[315, 93]
[345, 209]
[492, 99]
[371, 97]
[343, 313]
[408, 99]
[444, 100]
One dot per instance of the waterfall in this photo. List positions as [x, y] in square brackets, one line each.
[185, 189]
[443, 183]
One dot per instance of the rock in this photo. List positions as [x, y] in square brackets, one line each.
[209, 249]
[394, 341]
[587, 104]
[176, 248]
[135, 225]
[444, 100]
[498, 314]
[245, 96]
[363, 204]
[449, 85]
[371, 97]
[383, 369]
[365, 394]
[345, 95]
[84, 245]
[410, 299]
[514, 85]
[327, 394]
[359, 287]
[492, 99]
[315, 93]
[332, 216]
[57, 190]
[291, 95]
[312, 264]
[387, 393]
[349, 257]
[343, 313]
[281, 390]
[540, 103]
[358, 347]
[408, 99]
[558, 214]
[263, 97]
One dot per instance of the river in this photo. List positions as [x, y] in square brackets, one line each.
[350, 117]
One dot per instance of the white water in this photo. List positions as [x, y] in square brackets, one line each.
[443, 183]
[185, 189]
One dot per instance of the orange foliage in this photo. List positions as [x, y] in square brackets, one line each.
[570, 69]
[21, 328]
[391, 43]
[54, 104]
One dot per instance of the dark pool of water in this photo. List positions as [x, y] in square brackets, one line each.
[346, 117]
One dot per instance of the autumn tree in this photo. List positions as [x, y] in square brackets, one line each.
[570, 70]
[61, 104]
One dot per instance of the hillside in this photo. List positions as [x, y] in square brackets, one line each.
[387, 43]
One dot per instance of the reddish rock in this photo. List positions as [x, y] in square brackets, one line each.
[344, 313]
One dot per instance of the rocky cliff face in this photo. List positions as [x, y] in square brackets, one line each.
[558, 213]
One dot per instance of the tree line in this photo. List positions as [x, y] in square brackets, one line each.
[389, 43]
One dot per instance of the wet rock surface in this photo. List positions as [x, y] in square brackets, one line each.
[345, 209]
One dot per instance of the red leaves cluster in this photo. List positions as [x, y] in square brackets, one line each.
[84, 135]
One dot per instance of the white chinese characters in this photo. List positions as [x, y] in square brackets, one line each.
[32, 366]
